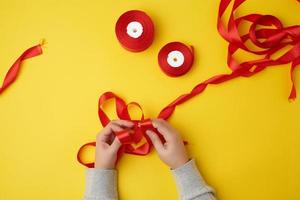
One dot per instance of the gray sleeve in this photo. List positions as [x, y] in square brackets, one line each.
[190, 183]
[101, 184]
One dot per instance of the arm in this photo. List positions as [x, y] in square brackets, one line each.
[190, 183]
[101, 181]
[101, 184]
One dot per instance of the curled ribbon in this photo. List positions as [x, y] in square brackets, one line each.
[274, 40]
[271, 40]
[176, 59]
[13, 72]
[135, 30]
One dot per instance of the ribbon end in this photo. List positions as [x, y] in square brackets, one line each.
[292, 96]
[292, 99]
[43, 42]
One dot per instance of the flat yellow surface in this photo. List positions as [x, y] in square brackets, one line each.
[244, 134]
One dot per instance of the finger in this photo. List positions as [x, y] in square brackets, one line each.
[123, 123]
[163, 128]
[110, 128]
[115, 128]
[116, 144]
[107, 134]
[158, 145]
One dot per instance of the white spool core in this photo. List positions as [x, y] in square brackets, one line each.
[175, 59]
[134, 29]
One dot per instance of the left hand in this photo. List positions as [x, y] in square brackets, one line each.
[107, 145]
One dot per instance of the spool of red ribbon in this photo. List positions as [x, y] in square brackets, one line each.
[135, 30]
[176, 59]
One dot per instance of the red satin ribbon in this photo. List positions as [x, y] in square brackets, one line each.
[126, 137]
[271, 40]
[135, 44]
[187, 52]
[12, 73]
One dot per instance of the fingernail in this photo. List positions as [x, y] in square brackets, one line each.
[148, 132]
[130, 122]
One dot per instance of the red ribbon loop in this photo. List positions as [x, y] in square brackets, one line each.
[79, 154]
[127, 137]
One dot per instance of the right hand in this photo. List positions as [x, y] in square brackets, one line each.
[172, 152]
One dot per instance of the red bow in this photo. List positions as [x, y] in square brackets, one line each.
[126, 137]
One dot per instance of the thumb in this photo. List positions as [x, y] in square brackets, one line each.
[116, 144]
[158, 145]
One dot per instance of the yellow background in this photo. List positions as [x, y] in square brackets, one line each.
[244, 133]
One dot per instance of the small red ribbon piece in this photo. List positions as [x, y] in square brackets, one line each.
[13, 72]
[178, 69]
[135, 30]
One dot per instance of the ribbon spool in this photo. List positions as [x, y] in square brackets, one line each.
[176, 59]
[135, 30]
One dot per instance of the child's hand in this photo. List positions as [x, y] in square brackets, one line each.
[172, 152]
[107, 145]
